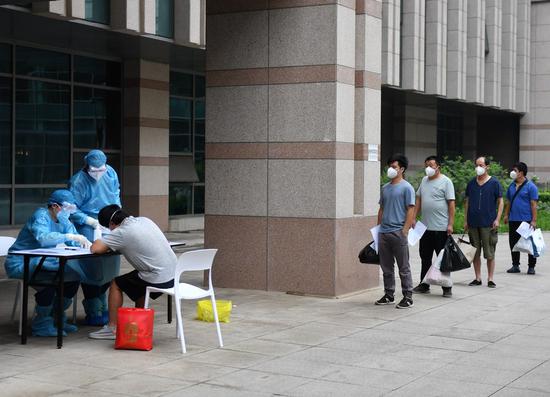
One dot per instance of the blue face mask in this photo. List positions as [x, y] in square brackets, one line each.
[63, 216]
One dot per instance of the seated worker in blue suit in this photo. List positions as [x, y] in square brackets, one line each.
[94, 187]
[46, 228]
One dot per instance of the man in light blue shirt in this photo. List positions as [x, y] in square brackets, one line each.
[395, 218]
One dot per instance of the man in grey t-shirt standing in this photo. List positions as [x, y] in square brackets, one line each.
[143, 244]
[435, 199]
[395, 217]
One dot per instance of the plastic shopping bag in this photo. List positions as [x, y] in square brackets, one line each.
[538, 242]
[435, 276]
[134, 329]
[467, 249]
[369, 255]
[205, 312]
[453, 258]
[524, 245]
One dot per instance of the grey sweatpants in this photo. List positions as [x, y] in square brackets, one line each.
[392, 246]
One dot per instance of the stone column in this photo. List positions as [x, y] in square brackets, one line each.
[509, 46]
[493, 60]
[523, 55]
[413, 44]
[391, 41]
[436, 47]
[475, 72]
[280, 147]
[457, 26]
[146, 129]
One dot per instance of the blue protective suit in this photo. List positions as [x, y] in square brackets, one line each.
[41, 231]
[90, 197]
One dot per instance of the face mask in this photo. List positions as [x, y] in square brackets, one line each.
[63, 216]
[430, 171]
[392, 173]
[97, 173]
[480, 170]
[70, 208]
[513, 175]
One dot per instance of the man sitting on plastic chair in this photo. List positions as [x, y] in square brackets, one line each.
[142, 243]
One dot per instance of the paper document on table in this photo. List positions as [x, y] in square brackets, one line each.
[59, 251]
[525, 230]
[416, 234]
[374, 231]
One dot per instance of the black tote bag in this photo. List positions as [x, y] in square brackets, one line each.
[369, 255]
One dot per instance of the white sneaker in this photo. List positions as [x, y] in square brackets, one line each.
[104, 333]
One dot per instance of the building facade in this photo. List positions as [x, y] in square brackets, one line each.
[267, 122]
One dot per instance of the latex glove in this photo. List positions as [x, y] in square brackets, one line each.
[92, 222]
[80, 239]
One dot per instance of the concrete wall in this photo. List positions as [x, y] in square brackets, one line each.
[292, 121]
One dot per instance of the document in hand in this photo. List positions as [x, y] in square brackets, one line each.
[416, 234]
[374, 231]
[525, 230]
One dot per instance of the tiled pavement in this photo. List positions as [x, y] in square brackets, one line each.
[481, 342]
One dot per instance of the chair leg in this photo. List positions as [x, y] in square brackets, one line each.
[180, 325]
[15, 301]
[75, 306]
[215, 310]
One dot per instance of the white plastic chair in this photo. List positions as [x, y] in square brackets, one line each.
[5, 244]
[190, 261]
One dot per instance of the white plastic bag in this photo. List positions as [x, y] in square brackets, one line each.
[538, 241]
[524, 245]
[435, 276]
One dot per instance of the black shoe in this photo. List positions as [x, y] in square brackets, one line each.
[531, 270]
[447, 292]
[514, 269]
[385, 300]
[491, 284]
[422, 289]
[405, 303]
[475, 282]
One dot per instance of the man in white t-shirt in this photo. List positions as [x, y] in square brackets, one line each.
[143, 244]
[435, 200]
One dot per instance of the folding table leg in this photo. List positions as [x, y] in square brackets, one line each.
[24, 303]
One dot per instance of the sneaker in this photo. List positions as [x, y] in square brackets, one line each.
[475, 282]
[405, 303]
[422, 289]
[104, 333]
[385, 300]
[514, 269]
[447, 292]
[491, 284]
[531, 270]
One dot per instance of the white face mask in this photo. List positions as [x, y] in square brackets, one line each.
[97, 173]
[430, 171]
[480, 170]
[392, 173]
[513, 175]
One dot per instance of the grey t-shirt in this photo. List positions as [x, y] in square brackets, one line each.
[395, 200]
[434, 194]
[145, 247]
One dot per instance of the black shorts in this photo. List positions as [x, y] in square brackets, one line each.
[133, 286]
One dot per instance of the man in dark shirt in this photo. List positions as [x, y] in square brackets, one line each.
[482, 218]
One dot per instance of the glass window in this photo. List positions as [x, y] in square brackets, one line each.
[198, 202]
[5, 58]
[180, 125]
[181, 84]
[199, 139]
[200, 86]
[42, 125]
[28, 200]
[96, 71]
[5, 130]
[96, 118]
[98, 11]
[180, 198]
[33, 62]
[164, 18]
[5, 206]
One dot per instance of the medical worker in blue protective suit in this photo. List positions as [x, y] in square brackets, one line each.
[46, 228]
[95, 186]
